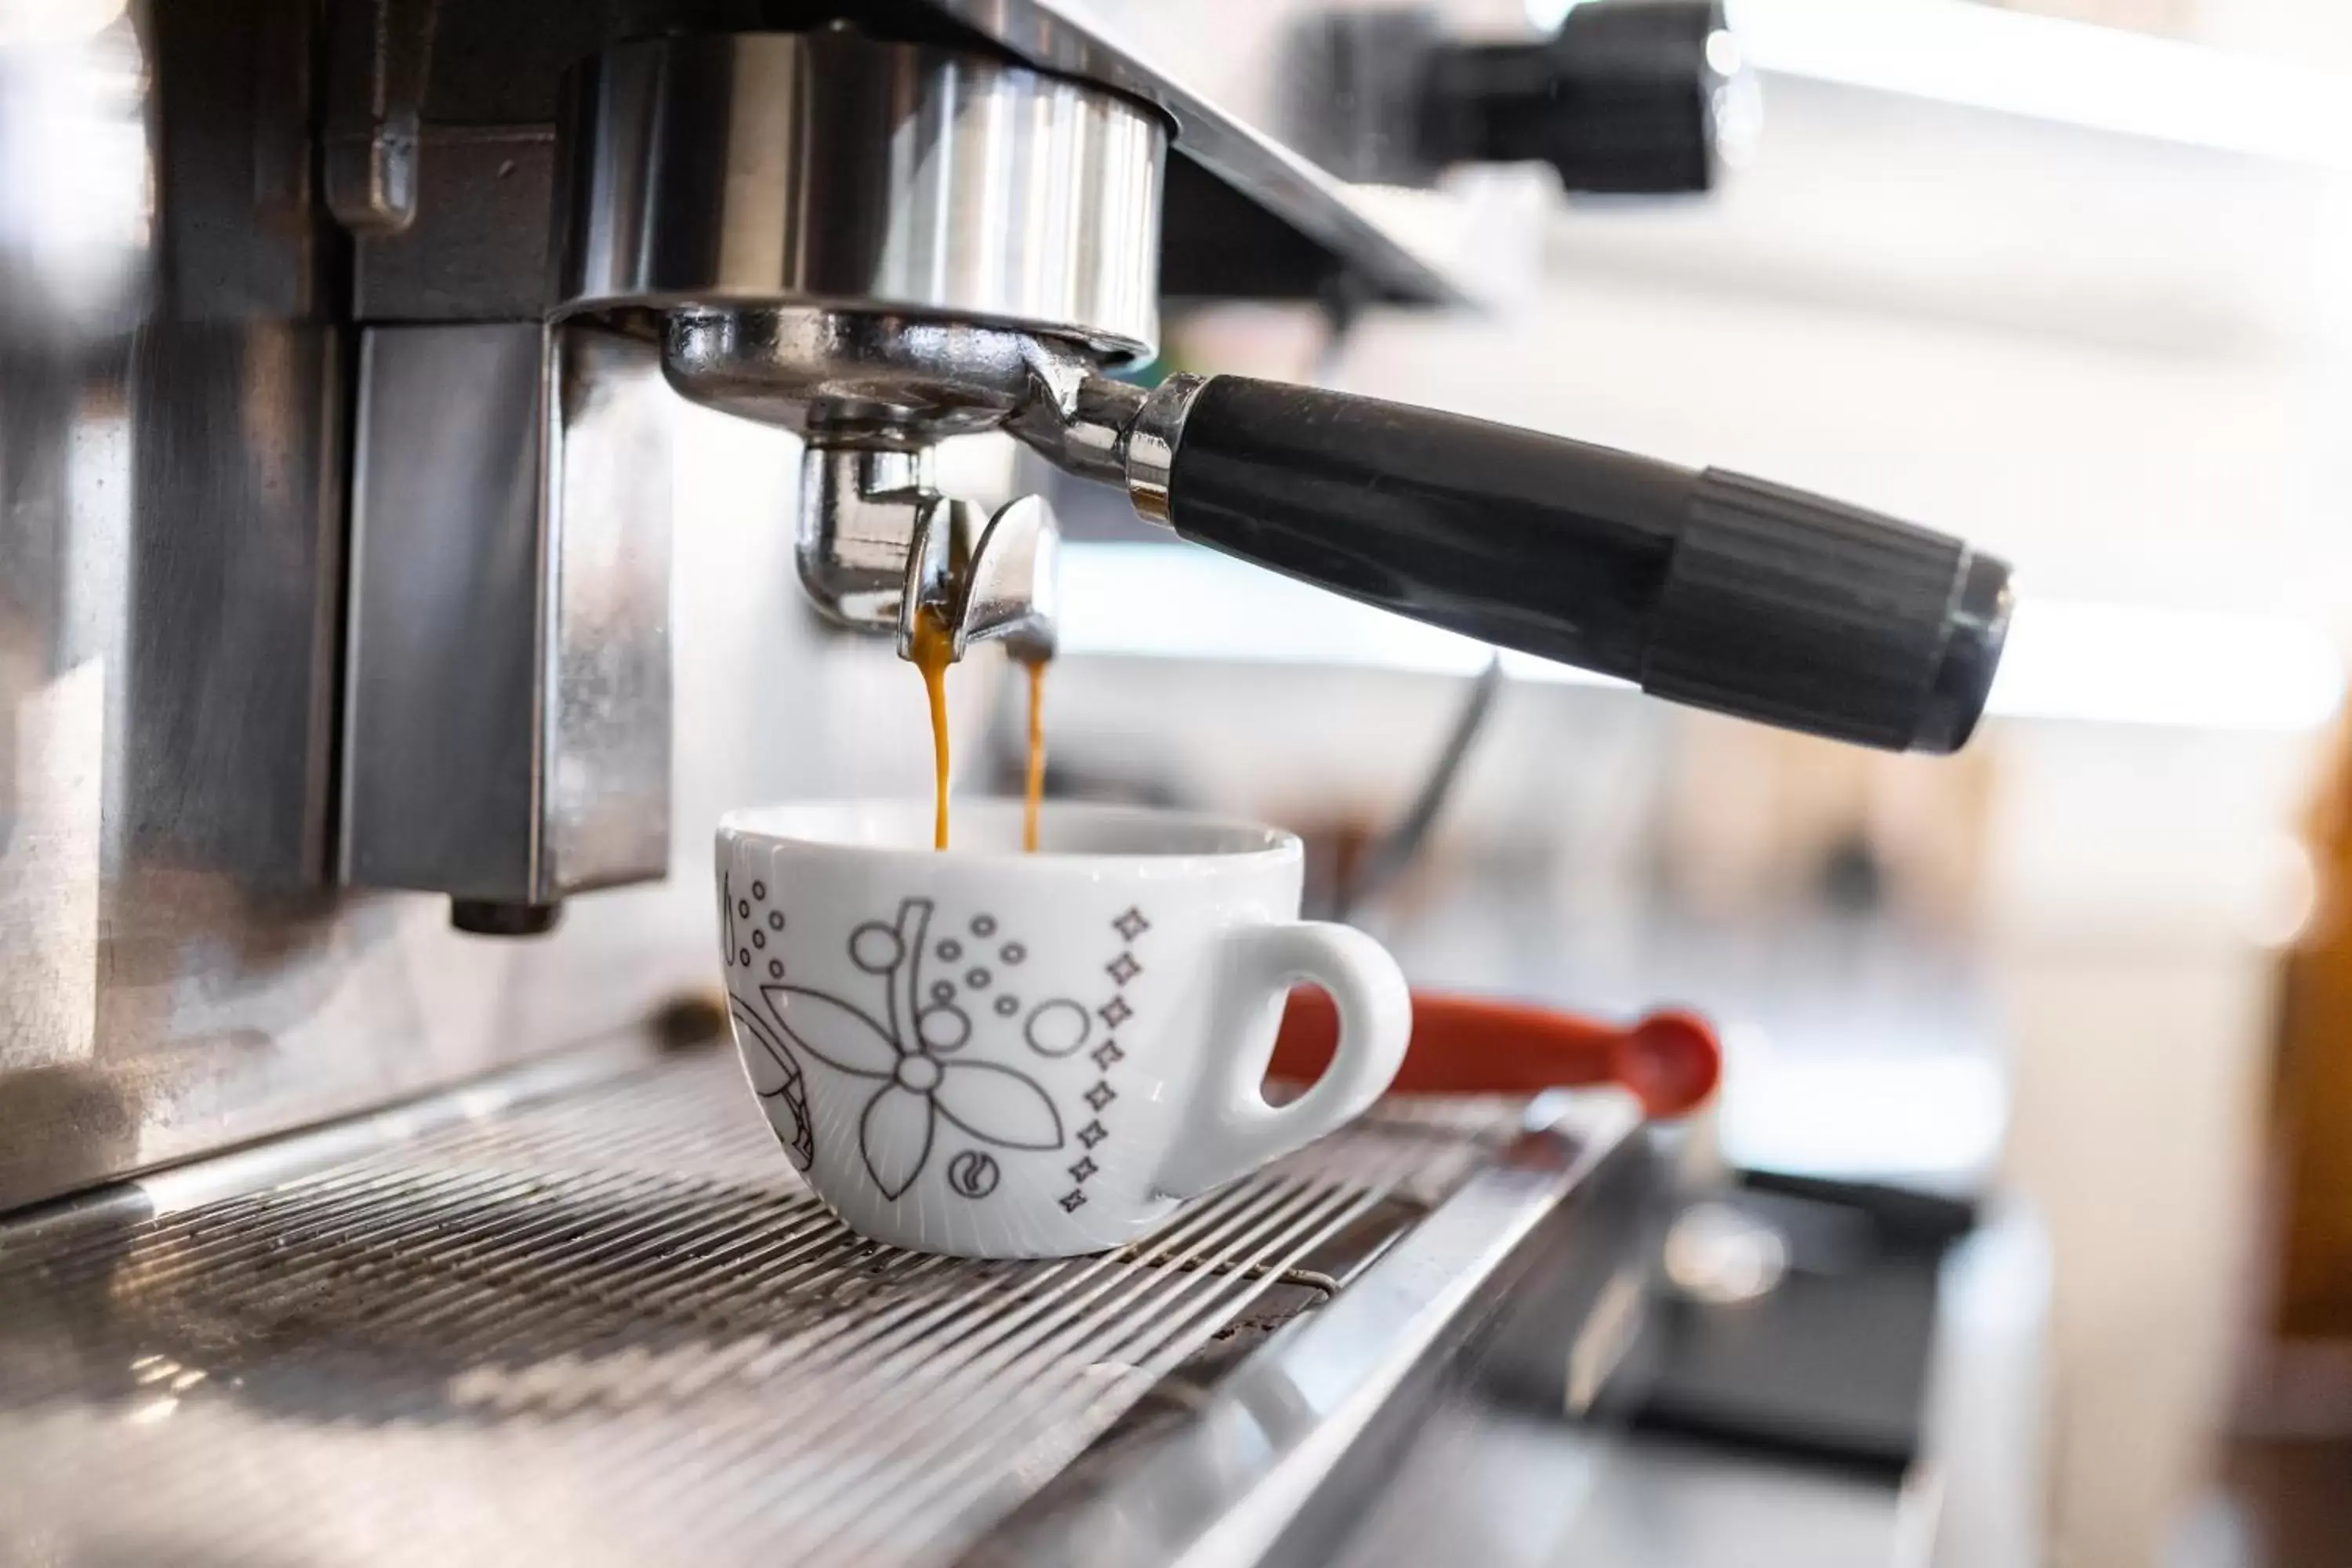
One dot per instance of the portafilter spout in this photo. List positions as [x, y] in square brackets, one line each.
[880, 548]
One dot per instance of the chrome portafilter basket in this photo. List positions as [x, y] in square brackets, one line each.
[876, 246]
[879, 246]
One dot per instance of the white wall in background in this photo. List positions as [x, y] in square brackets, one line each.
[2316, 32]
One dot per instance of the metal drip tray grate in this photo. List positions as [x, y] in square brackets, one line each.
[608, 1326]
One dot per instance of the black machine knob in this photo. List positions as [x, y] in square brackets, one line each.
[1631, 97]
[1703, 586]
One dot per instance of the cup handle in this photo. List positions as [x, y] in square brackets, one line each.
[1229, 1129]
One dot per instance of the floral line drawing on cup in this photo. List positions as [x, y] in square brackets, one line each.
[912, 1049]
[775, 1076]
[800, 1148]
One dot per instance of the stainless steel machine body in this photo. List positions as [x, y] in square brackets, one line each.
[289, 461]
[507, 711]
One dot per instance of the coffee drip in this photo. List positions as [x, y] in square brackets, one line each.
[931, 650]
[1032, 791]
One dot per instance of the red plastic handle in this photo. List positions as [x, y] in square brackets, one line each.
[1468, 1045]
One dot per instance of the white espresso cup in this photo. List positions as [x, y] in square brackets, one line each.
[1005, 1055]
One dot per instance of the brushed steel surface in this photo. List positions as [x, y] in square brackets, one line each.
[611, 1325]
[170, 552]
[830, 168]
[508, 716]
[178, 973]
[477, 246]
[442, 784]
[608, 488]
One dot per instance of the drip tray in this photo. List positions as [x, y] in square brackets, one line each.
[587, 1314]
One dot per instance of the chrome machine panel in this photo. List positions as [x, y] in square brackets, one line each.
[506, 743]
[177, 969]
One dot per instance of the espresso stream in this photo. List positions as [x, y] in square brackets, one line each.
[1032, 791]
[931, 652]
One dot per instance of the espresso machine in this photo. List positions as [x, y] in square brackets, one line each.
[364, 1193]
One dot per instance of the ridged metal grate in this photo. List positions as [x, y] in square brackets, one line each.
[612, 1327]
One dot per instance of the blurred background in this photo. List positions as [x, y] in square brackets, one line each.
[2072, 278]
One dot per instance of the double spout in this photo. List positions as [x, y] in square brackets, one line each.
[880, 550]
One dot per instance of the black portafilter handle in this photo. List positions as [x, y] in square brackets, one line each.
[1703, 586]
